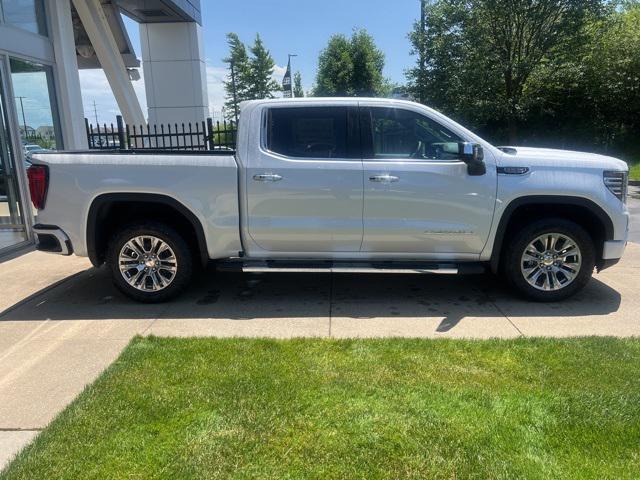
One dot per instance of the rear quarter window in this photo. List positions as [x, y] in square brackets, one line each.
[307, 132]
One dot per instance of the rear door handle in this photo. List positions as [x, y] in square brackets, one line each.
[267, 177]
[383, 179]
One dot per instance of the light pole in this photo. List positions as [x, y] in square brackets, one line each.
[95, 111]
[423, 47]
[291, 55]
[24, 121]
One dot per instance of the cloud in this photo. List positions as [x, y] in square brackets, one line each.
[278, 73]
[216, 77]
[95, 87]
[32, 98]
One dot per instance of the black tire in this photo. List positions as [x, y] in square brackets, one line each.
[181, 250]
[519, 242]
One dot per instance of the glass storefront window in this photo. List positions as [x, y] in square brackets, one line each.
[12, 228]
[26, 14]
[35, 105]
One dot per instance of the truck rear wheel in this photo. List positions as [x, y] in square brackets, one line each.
[550, 260]
[150, 262]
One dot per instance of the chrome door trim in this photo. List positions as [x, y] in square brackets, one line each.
[384, 178]
[267, 177]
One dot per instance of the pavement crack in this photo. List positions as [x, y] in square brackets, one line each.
[158, 316]
[18, 429]
[505, 315]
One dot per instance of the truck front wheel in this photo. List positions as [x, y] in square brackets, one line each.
[150, 262]
[550, 260]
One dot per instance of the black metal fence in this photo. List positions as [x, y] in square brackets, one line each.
[200, 136]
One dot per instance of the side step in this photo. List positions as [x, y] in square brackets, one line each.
[274, 266]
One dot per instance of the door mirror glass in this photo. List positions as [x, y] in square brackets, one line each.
[473, 155]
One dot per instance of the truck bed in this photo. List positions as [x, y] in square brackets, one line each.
[205, 183]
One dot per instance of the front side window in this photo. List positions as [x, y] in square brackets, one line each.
[404, 134]
[26, 14]
[307, 132]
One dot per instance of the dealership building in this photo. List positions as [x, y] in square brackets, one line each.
[43, 46]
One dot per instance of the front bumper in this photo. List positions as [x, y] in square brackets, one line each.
[613, 249]
[52, 239]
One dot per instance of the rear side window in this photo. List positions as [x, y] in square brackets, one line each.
[308, 132]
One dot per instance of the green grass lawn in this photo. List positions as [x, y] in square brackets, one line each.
[366, 409]
[634, 170]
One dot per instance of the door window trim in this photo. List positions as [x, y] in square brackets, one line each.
[354, 137]
[367, 141]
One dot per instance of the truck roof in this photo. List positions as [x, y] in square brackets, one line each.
[328, 101]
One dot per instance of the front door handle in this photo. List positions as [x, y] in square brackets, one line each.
[383, 179]
[267, 177]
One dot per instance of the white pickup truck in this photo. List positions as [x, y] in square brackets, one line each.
[337, 185]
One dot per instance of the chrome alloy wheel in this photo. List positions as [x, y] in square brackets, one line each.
[551, 262]
[148, 263]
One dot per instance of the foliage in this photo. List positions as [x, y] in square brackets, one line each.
[592, 91]
[238, 81]
[393, 408]
[634, 171]
[298, 91]
[335, 68]
[480, 54]
[261, 82]
[351, 67]
[252, 74]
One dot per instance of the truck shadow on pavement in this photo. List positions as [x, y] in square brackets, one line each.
[446, 300]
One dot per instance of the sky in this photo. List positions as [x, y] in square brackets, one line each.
[286, 26]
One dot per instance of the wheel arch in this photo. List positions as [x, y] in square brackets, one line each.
[100, 223]
[580, 210]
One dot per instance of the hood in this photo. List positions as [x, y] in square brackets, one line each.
[527, 156]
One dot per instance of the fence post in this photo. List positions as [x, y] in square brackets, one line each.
[86, 126]
[209, 141]
[121, 137]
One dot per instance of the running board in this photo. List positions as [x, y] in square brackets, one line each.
[273, 266]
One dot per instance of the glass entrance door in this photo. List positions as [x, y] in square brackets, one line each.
[12, 224]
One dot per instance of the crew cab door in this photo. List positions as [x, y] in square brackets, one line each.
[304, 182]
[418, 195]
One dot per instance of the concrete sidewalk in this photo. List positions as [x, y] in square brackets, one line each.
[55, 340]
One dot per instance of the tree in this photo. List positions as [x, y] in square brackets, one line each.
[335, 69]
[298, 91]
[261, 64]
[368, 63]
[237, 84]
[480, 54]
[351, 67]
[588, 95]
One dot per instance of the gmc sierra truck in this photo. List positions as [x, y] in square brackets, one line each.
[337, 185]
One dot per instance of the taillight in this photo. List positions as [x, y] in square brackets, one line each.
[38, 184]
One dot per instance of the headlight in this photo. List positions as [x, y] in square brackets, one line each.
[617, 183]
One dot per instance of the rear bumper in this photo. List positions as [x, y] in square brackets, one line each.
[52, 239]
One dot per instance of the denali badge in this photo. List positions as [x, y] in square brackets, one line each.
[448, 232]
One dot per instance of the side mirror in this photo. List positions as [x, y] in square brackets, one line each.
[473, 155]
